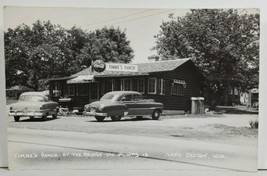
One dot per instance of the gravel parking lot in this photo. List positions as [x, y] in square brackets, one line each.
[222, 128]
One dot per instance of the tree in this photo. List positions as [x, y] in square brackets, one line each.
[107, 44]
[46, 51]
[224, 44]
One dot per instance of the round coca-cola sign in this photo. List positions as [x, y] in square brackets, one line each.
[98, 66]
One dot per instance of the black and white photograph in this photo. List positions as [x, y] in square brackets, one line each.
[132, 88]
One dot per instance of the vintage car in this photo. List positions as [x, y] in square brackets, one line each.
[33, 104]
[117, 104]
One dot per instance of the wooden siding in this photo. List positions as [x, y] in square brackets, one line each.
[189, 74]
[186, 72]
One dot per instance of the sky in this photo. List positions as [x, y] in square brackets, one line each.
[141, 25]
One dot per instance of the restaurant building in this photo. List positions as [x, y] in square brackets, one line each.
[171, 82]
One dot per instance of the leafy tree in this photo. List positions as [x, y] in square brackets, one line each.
[223, 43]
[46, 51]
[107, 44]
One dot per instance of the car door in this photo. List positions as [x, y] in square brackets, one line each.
[128, 101]
[142, 106]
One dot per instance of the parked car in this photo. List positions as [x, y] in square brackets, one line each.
[34, 104]
[117, 104]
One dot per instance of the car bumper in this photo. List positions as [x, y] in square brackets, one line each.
[29, 113]
[94, 114]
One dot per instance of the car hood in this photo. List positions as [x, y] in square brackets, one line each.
[27, 104]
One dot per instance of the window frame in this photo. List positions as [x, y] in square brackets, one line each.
[123, 84]
[57, 89]
[138, 85]
[177, 90]
[148, 86]
[161, 87]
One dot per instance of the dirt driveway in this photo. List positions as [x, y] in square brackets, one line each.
[223, 128]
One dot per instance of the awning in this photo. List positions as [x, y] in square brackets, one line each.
[81, 79]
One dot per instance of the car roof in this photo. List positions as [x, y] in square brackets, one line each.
[123, 92]
[44, 93]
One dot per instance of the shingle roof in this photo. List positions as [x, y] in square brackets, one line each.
[143, 69]
[160, 66]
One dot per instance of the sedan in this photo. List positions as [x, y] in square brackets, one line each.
[117, 104]
[33, 104]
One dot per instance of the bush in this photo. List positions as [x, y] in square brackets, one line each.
[254, 124]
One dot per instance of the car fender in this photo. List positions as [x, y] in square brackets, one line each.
[115, 109]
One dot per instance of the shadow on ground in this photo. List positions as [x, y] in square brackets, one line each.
[106, 120]
[236, 110]
[36, 120]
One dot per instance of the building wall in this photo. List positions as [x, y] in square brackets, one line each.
[187, 73]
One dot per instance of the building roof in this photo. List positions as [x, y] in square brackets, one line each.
[143, 69]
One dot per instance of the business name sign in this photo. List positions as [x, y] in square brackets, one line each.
[121, 67]
[179, 81]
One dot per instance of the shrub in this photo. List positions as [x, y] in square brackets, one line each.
[254, 124]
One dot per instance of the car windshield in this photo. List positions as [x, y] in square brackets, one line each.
[107, 97]
[31, 98]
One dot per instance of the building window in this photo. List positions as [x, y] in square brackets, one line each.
[108, 85]
[126, 84]
[152, 85]
[70, 89]
[141, 85]
[57, 89]
[161, 86]
[177, 89]
[83, 89]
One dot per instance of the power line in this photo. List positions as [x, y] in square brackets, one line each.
[129, 15]
[133, 19]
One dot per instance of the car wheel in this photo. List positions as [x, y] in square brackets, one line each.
[44, 117]
[54, 116]
[115, 118]
[16, 118]
[99, 118]
[156, 114]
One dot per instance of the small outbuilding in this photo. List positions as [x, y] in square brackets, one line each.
[171, 82]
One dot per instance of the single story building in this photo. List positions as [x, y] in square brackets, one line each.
[171, 82]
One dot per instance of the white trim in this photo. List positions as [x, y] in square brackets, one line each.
[162, 82]
[155, 92]
[177, 89]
